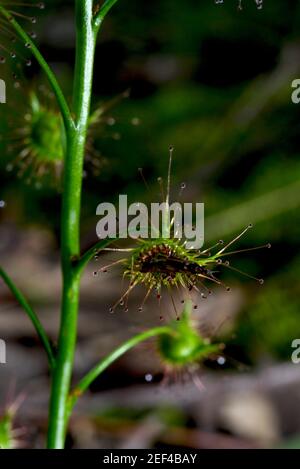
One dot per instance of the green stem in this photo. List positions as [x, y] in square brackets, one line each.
[62, 374]
[90, 253]
[84, 384]
[100, 15]
[76, 133]
[32, 316]
[70, 224]
[63, 105]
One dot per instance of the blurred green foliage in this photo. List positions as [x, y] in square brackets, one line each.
[114, 416]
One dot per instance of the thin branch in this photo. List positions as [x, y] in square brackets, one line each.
[100, 15]
[62, 103]
[32, 316]
[84, 384]
[90, 253]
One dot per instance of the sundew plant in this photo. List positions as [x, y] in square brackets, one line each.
[56, 137]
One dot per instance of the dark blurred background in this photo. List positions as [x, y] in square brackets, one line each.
[215, 82]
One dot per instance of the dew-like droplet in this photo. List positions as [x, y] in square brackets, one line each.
[221, 360]
[148, 377]
[2, 203]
